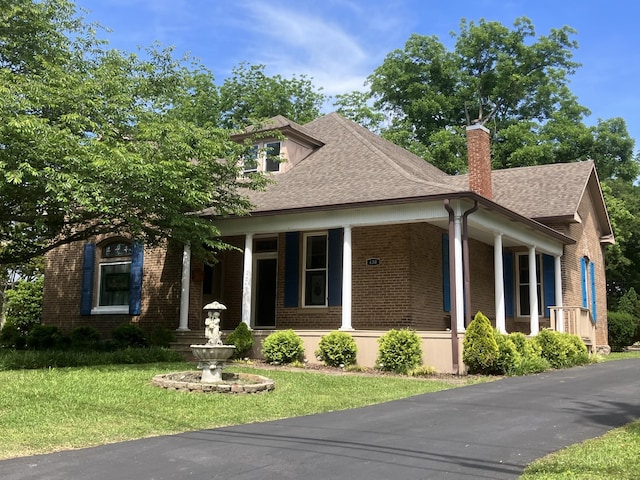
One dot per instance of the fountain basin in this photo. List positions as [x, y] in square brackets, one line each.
[230, 383]
[211, 360]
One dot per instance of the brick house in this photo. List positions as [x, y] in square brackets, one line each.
[358, 234]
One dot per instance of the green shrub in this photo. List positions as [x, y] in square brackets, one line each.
[622, 330]
[508, 356]
[526, 346]
[12, 337]
[480, 350]
[337, 349]
[399, 351]
[85, 339]
[161, 337]
[129, 336]
[24, 304]
[47, 337]
[562, 350]
[531, 364]
[423, 371]
[242, 338]
[282, 347]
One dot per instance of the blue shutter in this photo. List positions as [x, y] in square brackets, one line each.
[334, 267]
[88, 266]
[549, 282]
[291, 269]
[509, 284]
[592, 274]
[583, 281]
[446, 278]
[135, 294]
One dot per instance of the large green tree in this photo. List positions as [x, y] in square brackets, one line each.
[508, 79]
[93, 140]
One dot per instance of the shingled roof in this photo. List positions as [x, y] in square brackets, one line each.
[352, 166]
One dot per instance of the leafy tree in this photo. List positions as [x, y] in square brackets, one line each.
[98, 141]
[507, 79]
[249, 96]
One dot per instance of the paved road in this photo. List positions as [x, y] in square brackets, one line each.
[487, 431]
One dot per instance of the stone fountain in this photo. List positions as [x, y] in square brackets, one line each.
[212, 355]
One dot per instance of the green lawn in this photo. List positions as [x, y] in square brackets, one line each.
[48, 410]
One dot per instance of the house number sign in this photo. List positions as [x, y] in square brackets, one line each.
[373, 261]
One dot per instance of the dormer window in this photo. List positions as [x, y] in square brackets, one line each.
[263, 157]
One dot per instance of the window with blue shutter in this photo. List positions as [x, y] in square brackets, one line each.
[291, 269]
[88, 267]
[334, 267]
[583, 281]
[446, 277]
[548, 283]
[592, 274]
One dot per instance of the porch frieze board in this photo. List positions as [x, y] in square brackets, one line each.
[356, 217]
[513, 232]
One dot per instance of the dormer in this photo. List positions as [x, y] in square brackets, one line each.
[280, 152]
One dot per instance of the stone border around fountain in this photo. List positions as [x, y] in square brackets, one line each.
[231, 383]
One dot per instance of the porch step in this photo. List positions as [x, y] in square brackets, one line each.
[183, 343]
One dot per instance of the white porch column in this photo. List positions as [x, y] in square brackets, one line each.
[499, 283]
[533, 291]
[346, 280]
[247, 275]
[558, 281]
[185, 282]
[459, 282]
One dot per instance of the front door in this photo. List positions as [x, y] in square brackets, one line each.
[264, 306]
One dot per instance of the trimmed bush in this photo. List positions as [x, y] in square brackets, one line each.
[85, 339]
[526, 347]
[161, 337]
[530, 359]
[562, 350]
[12, 337]
[337, 349]
[47, 337]
[508, 356]
[399, 351]
[242, 338]
[480, 349]
[129, 336]
[283, 347]
[622, 330]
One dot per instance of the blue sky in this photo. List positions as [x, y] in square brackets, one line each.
[340, 42]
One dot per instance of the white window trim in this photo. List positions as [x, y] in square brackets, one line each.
[106, 309]
[261, 157]
[539, 274]
[304, 269]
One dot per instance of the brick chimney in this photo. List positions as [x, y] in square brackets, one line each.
[479, 155]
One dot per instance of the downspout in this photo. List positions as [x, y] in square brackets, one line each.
[452, 291]
[465, 263]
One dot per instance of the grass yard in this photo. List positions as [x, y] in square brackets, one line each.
[54, 409]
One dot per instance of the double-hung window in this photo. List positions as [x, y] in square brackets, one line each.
[315, 270]
[114, 275]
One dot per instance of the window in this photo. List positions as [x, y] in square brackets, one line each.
[315, 270]
[522, 272]
[263, 157]
[112, 278]
[114, 275]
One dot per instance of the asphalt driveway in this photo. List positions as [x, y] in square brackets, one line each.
[491, 431]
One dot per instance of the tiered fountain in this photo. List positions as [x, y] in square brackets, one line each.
[212, 357]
